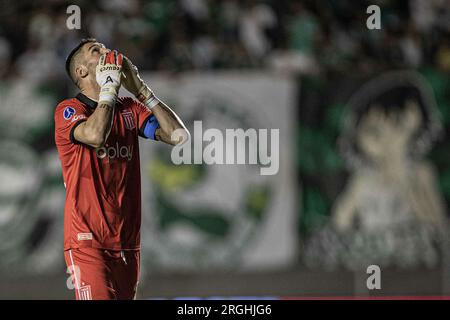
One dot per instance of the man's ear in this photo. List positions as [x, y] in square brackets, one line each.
[82, 71]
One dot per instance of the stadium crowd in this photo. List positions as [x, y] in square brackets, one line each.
[177, 35]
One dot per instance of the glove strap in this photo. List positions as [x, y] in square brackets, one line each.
[152, 101]
[147, 97]
[108, 95]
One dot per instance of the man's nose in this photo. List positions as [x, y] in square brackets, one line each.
[104, 50]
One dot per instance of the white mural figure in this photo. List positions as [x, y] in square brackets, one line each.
[390, 211]
[393, 187]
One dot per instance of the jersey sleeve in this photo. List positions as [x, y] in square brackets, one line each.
[147, 122]
[67, 117]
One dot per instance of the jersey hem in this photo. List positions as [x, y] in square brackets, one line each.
[103, 248]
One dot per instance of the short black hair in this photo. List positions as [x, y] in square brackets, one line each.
[392, 100]
[74, 52]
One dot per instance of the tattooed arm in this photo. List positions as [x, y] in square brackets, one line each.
[95, 130]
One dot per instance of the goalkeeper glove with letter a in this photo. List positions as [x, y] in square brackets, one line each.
[108, 76]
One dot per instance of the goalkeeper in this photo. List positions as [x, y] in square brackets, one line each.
[96, 135]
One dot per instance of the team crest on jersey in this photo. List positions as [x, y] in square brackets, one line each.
[68, 113]
[85, 293]
[129, 120]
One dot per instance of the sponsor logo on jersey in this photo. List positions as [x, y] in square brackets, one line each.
[115, 152]
[78, 117]
[84, 236]
[129, 120]
[68, 112]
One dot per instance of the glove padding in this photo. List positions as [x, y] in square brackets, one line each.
[108, 76]
[133, 82]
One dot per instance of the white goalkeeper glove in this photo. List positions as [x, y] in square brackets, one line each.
[108, 75]
[135, 85]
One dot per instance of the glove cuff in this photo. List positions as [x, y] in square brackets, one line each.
[152, 102]
[108, 95]
[144, 94]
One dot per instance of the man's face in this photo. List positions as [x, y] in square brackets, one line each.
[92, 52]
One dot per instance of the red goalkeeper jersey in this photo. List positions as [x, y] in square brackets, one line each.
[103, 186]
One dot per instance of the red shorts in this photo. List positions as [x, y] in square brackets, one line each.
[98, 274]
